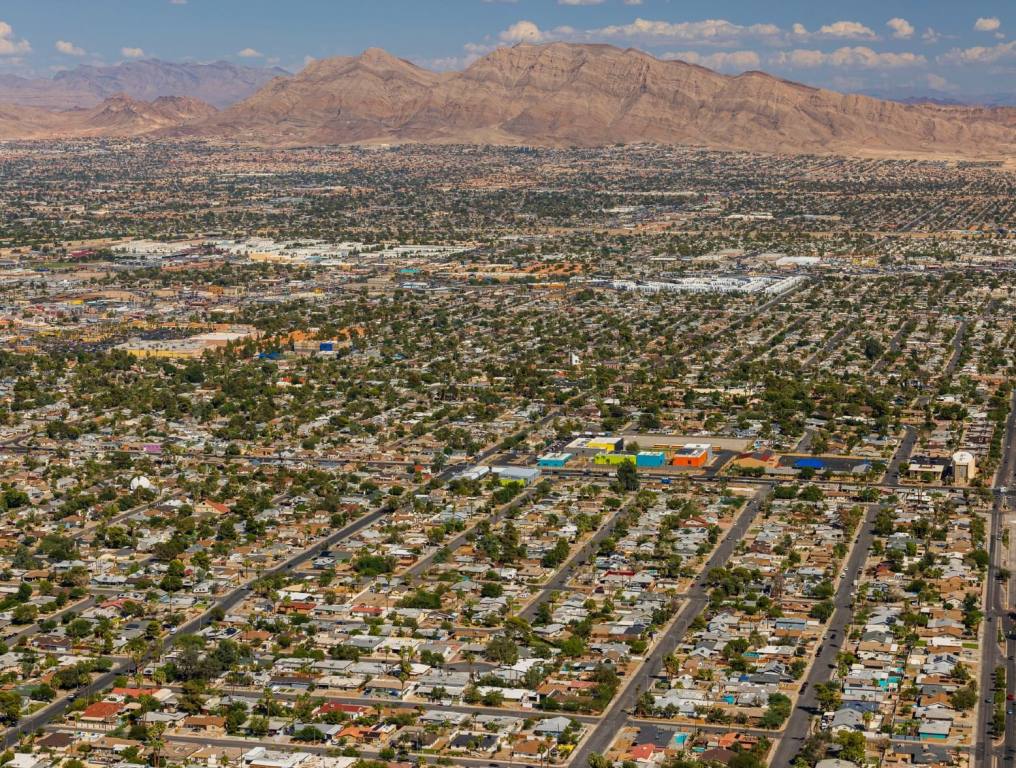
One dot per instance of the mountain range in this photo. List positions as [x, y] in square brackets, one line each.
[915, 95]
[563, 94]
[219, 83]
[117, 116]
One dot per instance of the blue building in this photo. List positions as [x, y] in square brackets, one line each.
[554, 459]
[650, 459]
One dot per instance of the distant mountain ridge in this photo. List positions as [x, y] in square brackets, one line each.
[923, 96]
[566, 94]
[544, 95]
[220, 83]
[117, 116]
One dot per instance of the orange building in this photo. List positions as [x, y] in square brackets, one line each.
[692, 455]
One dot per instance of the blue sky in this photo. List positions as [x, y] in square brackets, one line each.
[959, 49]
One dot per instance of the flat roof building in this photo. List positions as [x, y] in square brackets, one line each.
[510, 474]
[692, 455]
[554, 459]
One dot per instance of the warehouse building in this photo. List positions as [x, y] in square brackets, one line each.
[510, 474]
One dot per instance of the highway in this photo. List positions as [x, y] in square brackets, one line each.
[799, 725]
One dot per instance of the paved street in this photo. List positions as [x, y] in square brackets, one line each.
[996, 614]
[226, 603]
[799, 724]
[616, 716]
[901, 456]
[566, 571]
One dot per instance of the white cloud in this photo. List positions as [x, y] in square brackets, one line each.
[472, 52]
[902, 29]
[132, 53]
[579, 2]
[523, 32]
[857, 57]
[931, 36]
[68, 48]
[938, 83]
[633, 2]
[849, 30]
[476, 50]
[250, 53]
[9, 45]
[719, 31]
[729, 61]
[847, 83]
[443, 63]
[799, 58]
[178, 2]
[981, 54]
[989, 24]
[528, 32]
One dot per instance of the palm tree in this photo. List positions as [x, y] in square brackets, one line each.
[267, 701]
[545, 747]
[137, 650]
[156, 742]
[28, 662]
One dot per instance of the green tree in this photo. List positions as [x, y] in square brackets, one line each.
[884, 523]
[503, 650]
[964, 698]
[10, 707]
[173, 580]
[822, 611]
[24, 613]
[852, 744]
[828, 696]
[78, 628]
[258, 726]
[745, 760]
[627, 476]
